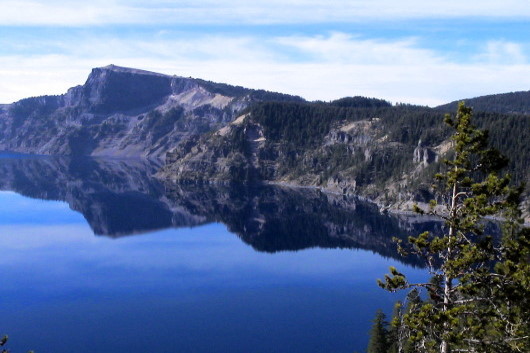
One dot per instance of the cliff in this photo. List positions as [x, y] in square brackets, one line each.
[123, 112]
[386, 153]
[208, 132]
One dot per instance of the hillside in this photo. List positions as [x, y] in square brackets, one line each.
[505, 103]
[214, 132]
[123, 112]
[387, 153]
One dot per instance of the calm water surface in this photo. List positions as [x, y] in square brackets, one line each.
[99, 256]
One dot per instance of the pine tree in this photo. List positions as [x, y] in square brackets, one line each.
[399, 333]
[379, 334]
[480, 287]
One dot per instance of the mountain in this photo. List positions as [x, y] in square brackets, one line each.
[212, 132]
[387, 153]
[123, 112]
[506, 103]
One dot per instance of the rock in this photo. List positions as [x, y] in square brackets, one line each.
[122, 112]
[424, 155]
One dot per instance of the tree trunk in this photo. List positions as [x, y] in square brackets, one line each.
[448, 281]
[444, 347]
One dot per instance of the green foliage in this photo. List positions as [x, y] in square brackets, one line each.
[360, 102]
[379, 334]
[305, 124]
[480, 288]
[509, 134]
[399, 331]
[506, 103]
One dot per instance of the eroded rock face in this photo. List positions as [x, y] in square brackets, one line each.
[424, 155]
[121, 112]
[242, 151]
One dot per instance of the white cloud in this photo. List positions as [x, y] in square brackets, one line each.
[345, 48]
[502, 52]
[82, 13]
[326, 66]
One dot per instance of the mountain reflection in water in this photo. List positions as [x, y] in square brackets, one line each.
[121, 197]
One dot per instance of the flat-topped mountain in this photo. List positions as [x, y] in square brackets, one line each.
[123, 112]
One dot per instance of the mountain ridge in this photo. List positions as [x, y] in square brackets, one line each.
[387, 154]
[215, 132]
[507, 103]
[105, 115]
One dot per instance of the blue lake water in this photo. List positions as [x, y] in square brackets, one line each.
[99, 256]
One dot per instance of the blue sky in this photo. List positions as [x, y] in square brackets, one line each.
[407, 51]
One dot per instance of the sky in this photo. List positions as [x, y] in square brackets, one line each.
[410, 51]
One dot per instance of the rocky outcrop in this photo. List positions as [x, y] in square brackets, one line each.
[122, 112]
[243, 151]
[424, 155]
[370, 152]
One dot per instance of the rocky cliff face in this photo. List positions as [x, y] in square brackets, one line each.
[212, 132]
[343, 161]
[388, 154]
[121, 112]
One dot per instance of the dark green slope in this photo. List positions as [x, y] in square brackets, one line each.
[507, 103]
[353, 145]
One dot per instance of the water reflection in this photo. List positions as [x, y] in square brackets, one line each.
[119, 198]
[195, 289]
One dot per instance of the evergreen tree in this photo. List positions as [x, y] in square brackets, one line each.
[399, 333]
[397, 330]
[480, 287]
[379, 334]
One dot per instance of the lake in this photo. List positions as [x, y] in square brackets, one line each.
[97, 255]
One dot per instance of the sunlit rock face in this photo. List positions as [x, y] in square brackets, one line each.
[122, 112]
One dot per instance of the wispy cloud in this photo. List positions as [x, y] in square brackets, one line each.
[349, 49]
[500, 52]
[233, 12]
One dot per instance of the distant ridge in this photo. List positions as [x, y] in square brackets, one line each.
[504, 103]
